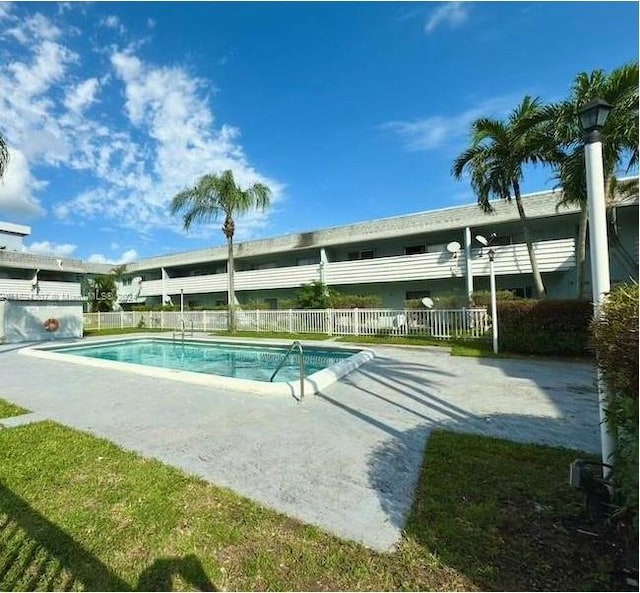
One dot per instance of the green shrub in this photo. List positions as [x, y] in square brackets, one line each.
[143, 308]
[355, 301]
[482, 298]
[615, 341]
[545, 327]
[255, 305]
[317, 295]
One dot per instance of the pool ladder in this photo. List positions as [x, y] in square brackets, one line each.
[297, 345]
[182, 330]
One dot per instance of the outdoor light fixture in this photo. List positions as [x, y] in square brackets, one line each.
[592, 118]
[492, 278]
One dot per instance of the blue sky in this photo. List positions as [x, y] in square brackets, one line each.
[348, 111]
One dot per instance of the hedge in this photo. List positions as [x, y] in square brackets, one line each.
[615, 341]
[545, 327]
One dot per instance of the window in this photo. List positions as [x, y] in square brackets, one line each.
[522, 292]
[411, 295]
[271, 303]
[362, 254]
[266, 265]
[415, 249]
[308, 261]
[502, 240]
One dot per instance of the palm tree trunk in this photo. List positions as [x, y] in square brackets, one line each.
[537, 277]
[581, 250]
[231, 294]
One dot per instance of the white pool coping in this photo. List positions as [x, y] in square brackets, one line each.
[312, 383]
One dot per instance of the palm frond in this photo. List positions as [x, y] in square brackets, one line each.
[4, 156]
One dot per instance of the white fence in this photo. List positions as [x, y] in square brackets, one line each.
[436, 323]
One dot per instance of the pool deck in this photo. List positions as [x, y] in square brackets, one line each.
[346, 459]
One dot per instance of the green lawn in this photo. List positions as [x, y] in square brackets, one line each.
[124, 330]
[8, 409]
[271, 335]
[77, 512]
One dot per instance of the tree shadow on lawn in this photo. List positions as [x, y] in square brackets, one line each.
[499, 512]
[39, 555]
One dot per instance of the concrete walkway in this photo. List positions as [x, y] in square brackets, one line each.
[347, 459]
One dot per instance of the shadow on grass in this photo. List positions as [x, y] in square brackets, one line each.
[38, 555]
[499, 512]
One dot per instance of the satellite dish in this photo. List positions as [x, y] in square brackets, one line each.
[453, 247]
[427, 302]
[480, 239]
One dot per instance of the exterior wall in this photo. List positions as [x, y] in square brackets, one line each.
[11, 288]
[11, 236]
[24, 321]
[276, 268]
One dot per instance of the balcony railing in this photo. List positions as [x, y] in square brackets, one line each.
[552, 256]
[24, 289]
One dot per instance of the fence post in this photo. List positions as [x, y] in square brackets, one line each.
[356, 324]
[98, 319]
[161, 319]
[121, 319]
[258, 320]
[290, 321]
[204, 320]
[330, 321]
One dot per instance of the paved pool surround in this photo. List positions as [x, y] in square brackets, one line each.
[346, 459]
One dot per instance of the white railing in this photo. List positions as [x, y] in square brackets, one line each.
[436, 323]
[43, 289]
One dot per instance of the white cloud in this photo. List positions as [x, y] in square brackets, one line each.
[18, 186]
[36, 26]
[168, 106]
[113, 22]
[82, 95]
[115, 246]
[127, 257]
[151, 23]
[53, 249]
[437, 131]
[163, 140]
[453, 14]
[5, 10]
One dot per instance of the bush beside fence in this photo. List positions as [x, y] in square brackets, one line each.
[615, 339]
[545, 327]
[437, 323]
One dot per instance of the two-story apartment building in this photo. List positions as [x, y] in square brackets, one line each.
[432, 253]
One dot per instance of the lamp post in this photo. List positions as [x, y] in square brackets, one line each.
[592, 118]
[492, 280]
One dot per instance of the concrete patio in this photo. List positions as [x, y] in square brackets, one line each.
[347, 459]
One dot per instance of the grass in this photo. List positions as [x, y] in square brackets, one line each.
[8, 409]
[271, 335]
[114, 331]
[77, 512]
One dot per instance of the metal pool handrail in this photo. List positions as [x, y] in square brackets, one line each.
[297, 345]
[183, 323]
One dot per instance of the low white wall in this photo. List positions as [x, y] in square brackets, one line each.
[24, 320]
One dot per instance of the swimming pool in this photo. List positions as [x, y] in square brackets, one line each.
[235, 365]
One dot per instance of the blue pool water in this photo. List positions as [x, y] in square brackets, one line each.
[246, 361]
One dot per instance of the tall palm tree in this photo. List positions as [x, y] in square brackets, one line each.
[4, 156]
[620, 143]
[495, 160]
[216, 195]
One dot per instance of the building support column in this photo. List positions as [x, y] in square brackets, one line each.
[165, 276]
[468, 264]
[323, 266]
